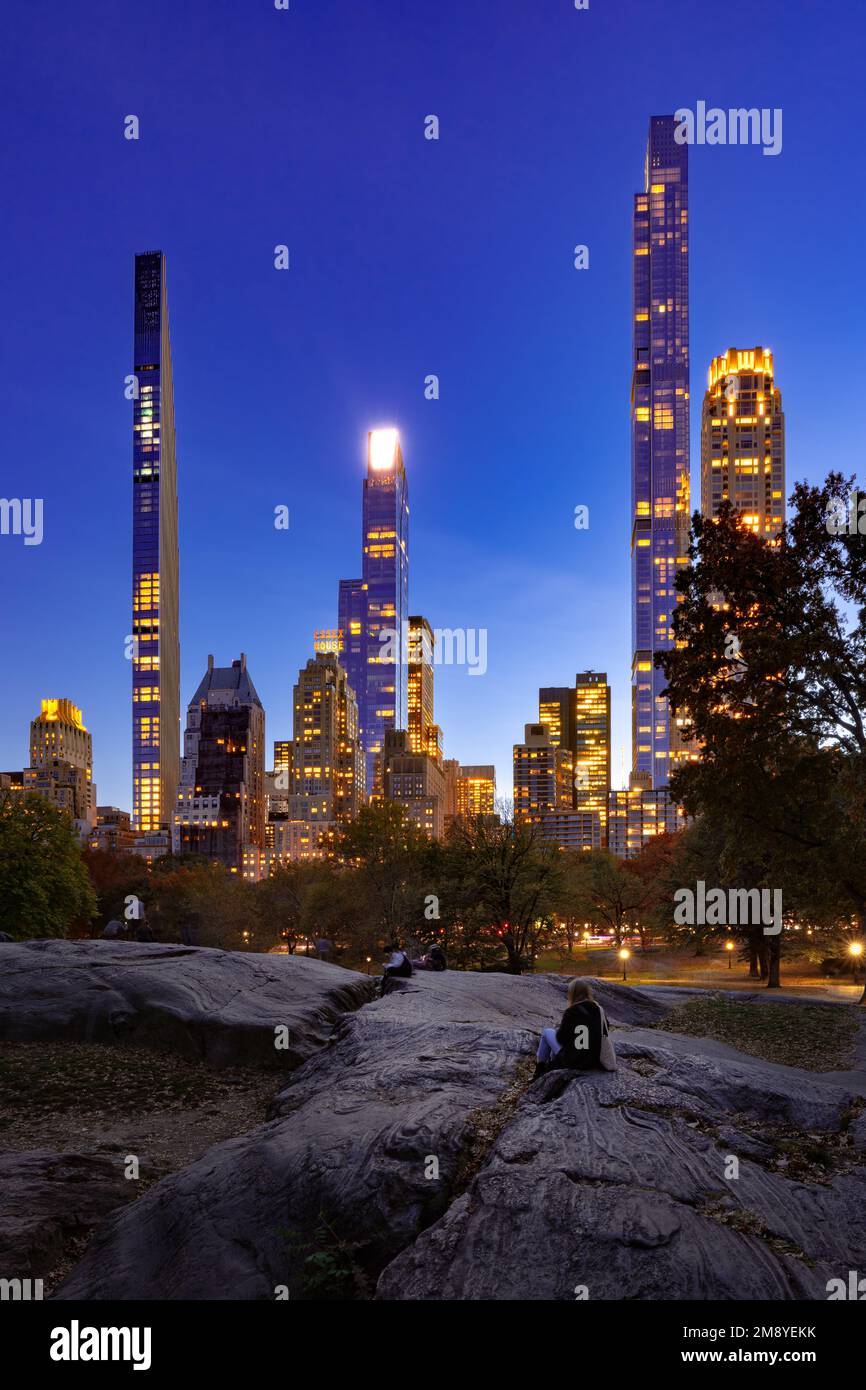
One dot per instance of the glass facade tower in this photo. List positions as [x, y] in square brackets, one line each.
[156, 644]
[374, 610]
[659, 438]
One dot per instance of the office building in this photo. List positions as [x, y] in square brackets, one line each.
[542, 775]
[155, 626]
[374, 610]
[578, 720]
[659, 438]
[221, 796]
[743, 440]
[415, 781]
[637, 815]
[476, 791]
[326, 767]
[61, 763]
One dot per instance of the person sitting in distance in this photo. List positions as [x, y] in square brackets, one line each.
[397, 967]
[433, 960]
[581, 1041]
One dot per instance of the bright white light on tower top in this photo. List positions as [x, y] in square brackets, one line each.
[383, 446]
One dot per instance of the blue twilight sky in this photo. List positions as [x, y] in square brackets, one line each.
[408, 257]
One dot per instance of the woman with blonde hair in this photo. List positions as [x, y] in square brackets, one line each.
[581, 1042]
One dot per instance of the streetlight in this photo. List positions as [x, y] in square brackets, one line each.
[586, 942]
[624, 955]
[729, 947]
[369, 958]
[855, 950]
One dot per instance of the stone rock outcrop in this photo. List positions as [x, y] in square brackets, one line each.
[47, 1197]
[621, 1186]
[219, 1006]
[411, 1156]
[356, 1134]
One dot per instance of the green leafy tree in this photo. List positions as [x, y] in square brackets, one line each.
[44, 886]
[607, 892]
[202, 903]
[115, 878]
[392, 858]
[770, 676]
[505, 883]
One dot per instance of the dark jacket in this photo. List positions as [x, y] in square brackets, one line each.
[585, 1015]
[401, 971]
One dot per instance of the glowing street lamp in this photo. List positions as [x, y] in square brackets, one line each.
[624, 955]
[729, 947]
[855, 950]
[586, 941]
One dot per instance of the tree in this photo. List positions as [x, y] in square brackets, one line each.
[393, 858]
[654, 865]
[44, 886]
[280, 902]
[337, 906]
[201, 903]
[115, 878]
[769, 674]
[607, 891]
[505, 882]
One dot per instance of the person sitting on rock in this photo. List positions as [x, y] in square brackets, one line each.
[433, 960]
[576, 1045]
[397, 967]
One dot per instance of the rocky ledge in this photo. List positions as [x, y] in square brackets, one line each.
[224, 1007]
[412, 1157]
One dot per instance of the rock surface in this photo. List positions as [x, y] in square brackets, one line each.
[621, 1186]
[221, 1006]
[46, 1197]
[411, 1156]
[352, 1137]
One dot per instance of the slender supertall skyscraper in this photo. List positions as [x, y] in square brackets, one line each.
[156, 645]
[374, 610]
[659, 437]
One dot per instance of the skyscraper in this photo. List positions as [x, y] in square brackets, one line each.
[326, 753]
[416, 781]
[156, 644]
[374, 610]
[220, 810]
[592, 745]
[61, 762]
[476, 791]
[659, 437]
[578, 720]
[743, 440]
[543, 774]
[637, 815]
[425, 736]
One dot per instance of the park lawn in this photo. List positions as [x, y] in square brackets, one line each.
[816, 1037]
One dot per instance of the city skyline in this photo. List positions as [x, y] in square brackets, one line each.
[550, 609]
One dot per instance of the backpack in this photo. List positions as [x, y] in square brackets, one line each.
[607, 1055]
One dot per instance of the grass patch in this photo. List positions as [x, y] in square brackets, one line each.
[816, 1037]
[52, 1078]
